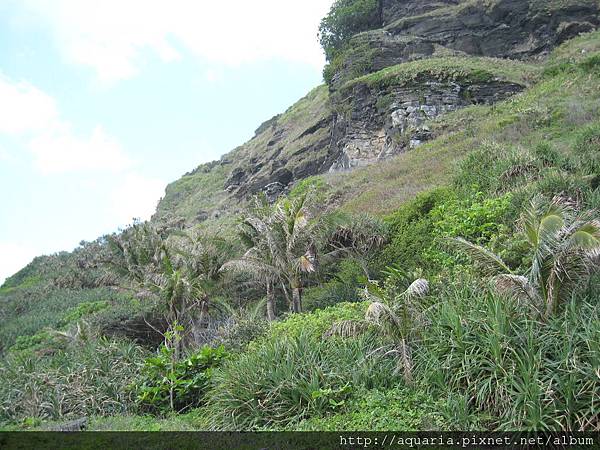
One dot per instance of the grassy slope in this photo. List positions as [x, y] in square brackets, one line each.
[472, 69]
[552, 111]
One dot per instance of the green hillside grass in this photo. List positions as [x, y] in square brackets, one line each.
[468, 69]
[482, 360]
[553, 111]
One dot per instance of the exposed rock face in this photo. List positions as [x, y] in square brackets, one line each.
[385, 121]
[354, 122]
[392, 10]
[515, 29]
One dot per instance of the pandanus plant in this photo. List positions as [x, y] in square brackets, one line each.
[565, 251]
[395, 313]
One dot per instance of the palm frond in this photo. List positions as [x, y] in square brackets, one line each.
[587, 238]
[346, 329]
[418, 288]
[489, 262]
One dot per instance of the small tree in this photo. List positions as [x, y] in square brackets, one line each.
[182, 268]
[395, 311]
[283, 250]
[345, 19]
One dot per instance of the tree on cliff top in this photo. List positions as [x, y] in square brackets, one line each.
[345, 19]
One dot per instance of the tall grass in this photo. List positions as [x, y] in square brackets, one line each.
[84, 379]
[290, 379]
[521, 373]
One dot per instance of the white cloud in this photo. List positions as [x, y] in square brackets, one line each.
[13, 257]
[65, 152]
[136, 197]
[23, 108]
[32, 116]
[113, 36]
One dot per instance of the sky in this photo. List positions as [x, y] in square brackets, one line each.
[103, 103]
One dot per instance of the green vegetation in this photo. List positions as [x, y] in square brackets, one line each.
[345, 19]
[471, 69]
[405, 409]
[87, 376]
[455, 286]
[172, 384]
[285, 380]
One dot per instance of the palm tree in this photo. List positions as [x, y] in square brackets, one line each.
[297, 254]
[201, 257]
[282, 249]
[182, 268]
[564, 244]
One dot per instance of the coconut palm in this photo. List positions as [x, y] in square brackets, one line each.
[202, 256]
[565, 247]
[297, 254]
[261, 259]
[181, 267]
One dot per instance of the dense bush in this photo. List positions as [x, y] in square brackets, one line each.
[83, 310]
[316, 323]
[288, 379]
[419, 229]
[397, 409]
[238, 332]
[412, 231]
[167, 383]
[341, 287]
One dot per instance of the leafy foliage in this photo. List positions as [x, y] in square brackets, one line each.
[345, 19]
[564, 247]
[168, 384]
[520, 373]
[286, 380]
[397, 409]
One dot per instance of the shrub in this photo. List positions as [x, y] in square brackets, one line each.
[168, 384]
[411, 232]
[477, 219]
[314, 324]
[238, 333]
[285, 380]
[419, 228]
[342, 287]
[82, 310]
[398, 409]
[38, 343]
[481, 219]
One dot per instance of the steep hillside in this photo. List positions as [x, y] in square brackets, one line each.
[286, 148]
[453, 156]
[387, 87]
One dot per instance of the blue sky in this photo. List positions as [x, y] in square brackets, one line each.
[103, 103]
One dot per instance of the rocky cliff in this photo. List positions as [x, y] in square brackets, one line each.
[427, 59]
